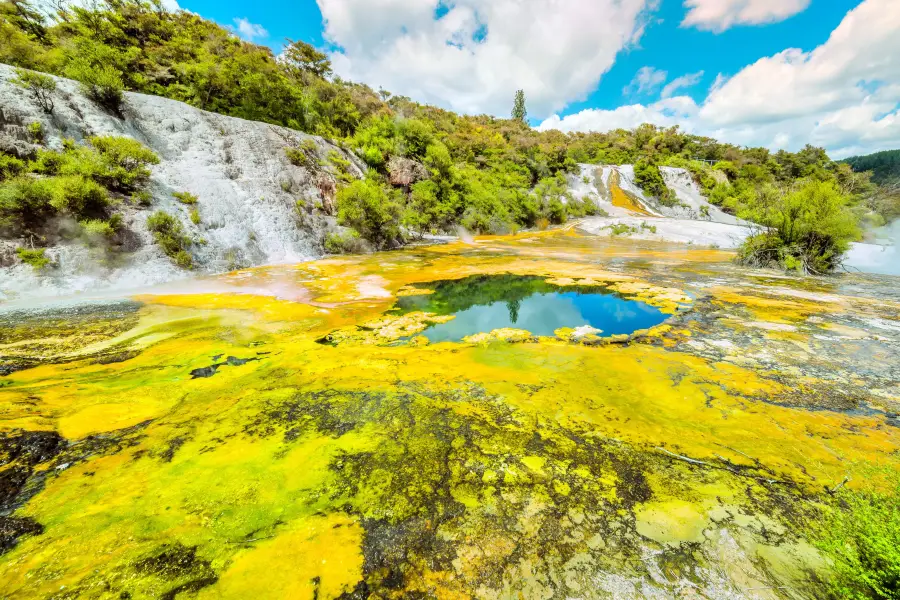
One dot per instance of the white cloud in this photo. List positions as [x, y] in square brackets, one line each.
[646, 81]
[719, 15]
[666, 113]
[844, 95]
[249, 31]
[477, 53]
[685, 81]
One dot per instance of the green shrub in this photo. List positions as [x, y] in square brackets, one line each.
[649, 179]
[185, 198]
[79, 196]
[102, 83]
[169, 234]
[341, 166]
[36, 131]
[550, 193]
[195, 216]
[97, 231]
[861, 535]
[300, 157]
[40, 86]
[807, 228]
[370, 209]
[34, 257]
[25, 204]
[347, 242]
[620, 229]
[142, 198]
[10, 166]
[125, 162]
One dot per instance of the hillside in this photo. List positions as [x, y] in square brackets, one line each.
[885, 165]
[242, 208]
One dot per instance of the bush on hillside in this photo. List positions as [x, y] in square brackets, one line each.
[348, 242]
[649, 179]
[806, 229]
[369, 208]
[25, 205]
[36, 257]
[102, 83]
[39, 86]
[169, 234]
[10, 166]
[125, 162]
[185, 198]
[79, 196]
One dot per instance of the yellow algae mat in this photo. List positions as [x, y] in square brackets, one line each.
[287, 435]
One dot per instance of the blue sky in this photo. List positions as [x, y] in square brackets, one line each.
[753, 66]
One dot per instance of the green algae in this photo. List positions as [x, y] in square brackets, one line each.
[543, 469]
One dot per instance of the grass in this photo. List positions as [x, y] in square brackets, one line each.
[185, 198]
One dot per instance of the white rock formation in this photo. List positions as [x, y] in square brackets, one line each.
[247, 189]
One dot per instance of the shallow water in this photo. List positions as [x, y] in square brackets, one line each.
[482, 304]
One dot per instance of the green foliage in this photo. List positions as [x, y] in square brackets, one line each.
[372, 210]
[885, 166]
[169, 234]
[25, 204]
[621, 229]
[79, 196]
[807, 228]
[10, 166]
[648, 177]
[125, 163]
[36, 257]
[519, 112]
[304, 59]
[142, 198]
[347, 242]
[40, 86]
[185, 198]
[195, 216]
[341, 166]
[36, 131]
[861, 535]
[102, 83]
[97, 231]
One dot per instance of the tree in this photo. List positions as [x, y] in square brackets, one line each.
[519, 112]
[306, 59]
[39, 85]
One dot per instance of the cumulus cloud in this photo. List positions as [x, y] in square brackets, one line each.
[646, 81]
[843, 95]
[249, 31]
[685, 81]
[719, 15]
[665, 113]
[472, 55]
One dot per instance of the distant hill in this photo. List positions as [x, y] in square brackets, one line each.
[885, 166]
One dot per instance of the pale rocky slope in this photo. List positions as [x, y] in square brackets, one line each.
[247, 189]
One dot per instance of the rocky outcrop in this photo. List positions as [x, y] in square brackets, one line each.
[404, 172]
[247, 189]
